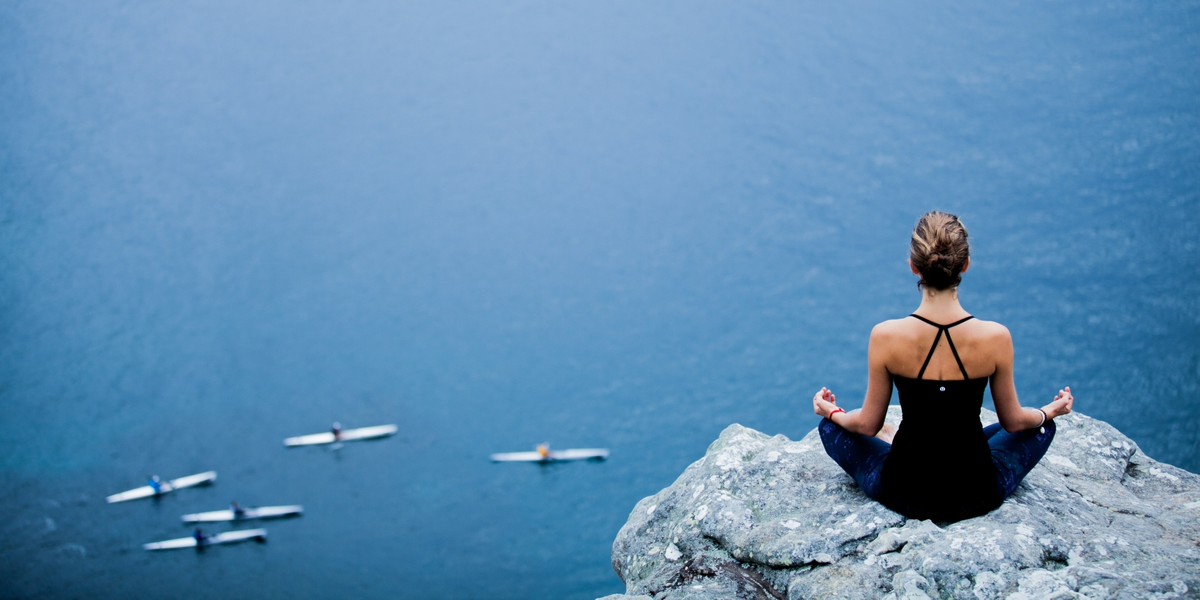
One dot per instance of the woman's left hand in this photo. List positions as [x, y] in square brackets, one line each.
[824, 402]
[1061, 405]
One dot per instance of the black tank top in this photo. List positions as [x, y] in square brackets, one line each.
[940, 466]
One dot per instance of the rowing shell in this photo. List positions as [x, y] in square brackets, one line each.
[164, 487]
[262, 512]
[220, 538]
[553, 455]
[364, 433]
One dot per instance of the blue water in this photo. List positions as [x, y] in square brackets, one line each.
[618, 224]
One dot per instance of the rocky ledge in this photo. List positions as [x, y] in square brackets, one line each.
[768, 518]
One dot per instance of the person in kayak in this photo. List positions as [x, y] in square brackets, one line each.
[337, 431]
[543, 450]
[238, 511]
[155, 484]
[200, 537]
[941, 463]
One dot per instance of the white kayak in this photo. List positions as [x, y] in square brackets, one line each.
[364, 433]
[164, 487]
[552, 455]
[211, 540]
[262, 512]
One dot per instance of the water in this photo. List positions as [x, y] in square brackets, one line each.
[593, 224]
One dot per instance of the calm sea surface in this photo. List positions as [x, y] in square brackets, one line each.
[617, 224]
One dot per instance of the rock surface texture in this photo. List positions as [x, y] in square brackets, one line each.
[765, 518]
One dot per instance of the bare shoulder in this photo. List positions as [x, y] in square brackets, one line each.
[995, 342]
[890, 335]
[992, 331]
[890, 330]
[886, 339]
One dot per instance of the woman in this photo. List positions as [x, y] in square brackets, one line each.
[941, 464]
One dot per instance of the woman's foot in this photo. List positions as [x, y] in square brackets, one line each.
[887, 432]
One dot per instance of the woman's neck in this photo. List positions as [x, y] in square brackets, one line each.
[941, 305]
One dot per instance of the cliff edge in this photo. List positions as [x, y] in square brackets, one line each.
[767, 518]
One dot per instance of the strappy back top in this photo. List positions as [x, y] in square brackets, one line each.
[937, 338]
[940, 466]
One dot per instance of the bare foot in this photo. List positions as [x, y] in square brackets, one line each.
[887, 432]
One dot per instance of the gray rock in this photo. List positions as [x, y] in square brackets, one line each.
[767, 518]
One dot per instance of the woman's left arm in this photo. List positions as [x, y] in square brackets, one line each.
[869, 419]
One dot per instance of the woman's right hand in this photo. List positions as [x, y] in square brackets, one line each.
[1061, 405]
[824, 402]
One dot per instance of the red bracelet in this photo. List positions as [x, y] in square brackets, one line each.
[835, 411]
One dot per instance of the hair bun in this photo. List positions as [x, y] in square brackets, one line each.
[939, 250]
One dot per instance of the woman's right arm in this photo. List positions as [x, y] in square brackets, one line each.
[1014, 417]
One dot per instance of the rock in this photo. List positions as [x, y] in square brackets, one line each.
[767, 518]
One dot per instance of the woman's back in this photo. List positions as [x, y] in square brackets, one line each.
[940, 464]
[906, 343]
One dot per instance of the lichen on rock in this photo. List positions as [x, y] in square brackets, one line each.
[766, 518]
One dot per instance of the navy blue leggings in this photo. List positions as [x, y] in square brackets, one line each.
[1013, 454]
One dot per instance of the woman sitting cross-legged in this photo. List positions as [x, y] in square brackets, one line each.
[941, 463]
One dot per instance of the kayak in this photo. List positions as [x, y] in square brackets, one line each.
[364, 433]
[164, 487]
[262, 512]
[553, 455]
[220, 538]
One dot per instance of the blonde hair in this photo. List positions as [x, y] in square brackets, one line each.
[939, 250]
